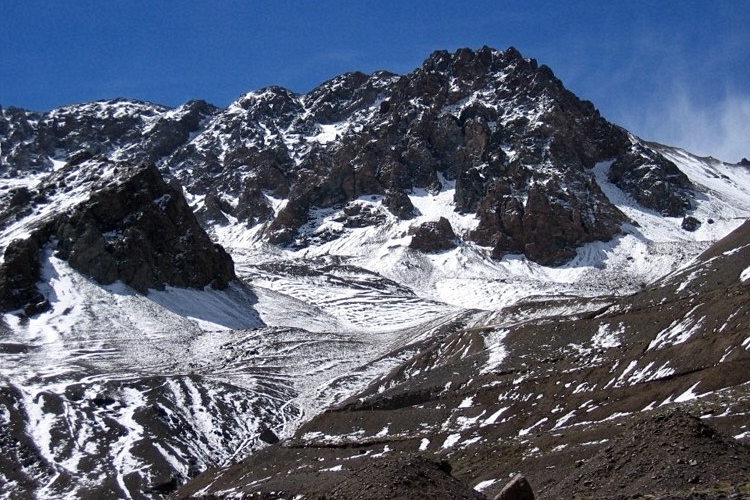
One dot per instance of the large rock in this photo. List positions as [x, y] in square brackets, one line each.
[433, 236]
[19, 274]
[517, 489]
[399, 204]
[690, 223]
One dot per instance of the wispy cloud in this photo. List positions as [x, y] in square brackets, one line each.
[720, 129]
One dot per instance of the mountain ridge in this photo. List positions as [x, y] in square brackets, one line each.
[490, 101]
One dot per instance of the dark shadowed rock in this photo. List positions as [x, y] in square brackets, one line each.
[652, 180]
[433, 236]
[19, 197]
[517, 489]
[19, 274]
[399, 204]
[690, 223]
[130, 226]
[552, 223]
[142, 232]
[268, 436]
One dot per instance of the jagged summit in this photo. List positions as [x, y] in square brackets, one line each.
[493, 122]
[503, 128]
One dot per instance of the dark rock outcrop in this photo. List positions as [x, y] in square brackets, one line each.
[142, 232]
[129, 226]
[19, 274]
[399, 204]
[552, 223]
[433, 236]
[403, 478]
[652, 180]
[690, 223]
[268, 436]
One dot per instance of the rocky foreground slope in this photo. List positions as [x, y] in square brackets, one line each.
[433, 273]
[640, 395]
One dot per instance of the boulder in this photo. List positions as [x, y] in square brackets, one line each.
[690, 223]
[433, 237]
[517, 489]
[398, 203]
[19, 274]
[268, 436]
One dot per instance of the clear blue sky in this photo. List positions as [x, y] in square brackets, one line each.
[673, 71]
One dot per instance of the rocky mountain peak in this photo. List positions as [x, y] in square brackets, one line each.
[500, 129]
[474, 62]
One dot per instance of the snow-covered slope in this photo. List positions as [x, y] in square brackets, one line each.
[110, 385]
[650, 246]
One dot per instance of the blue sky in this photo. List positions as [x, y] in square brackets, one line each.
[673, 71]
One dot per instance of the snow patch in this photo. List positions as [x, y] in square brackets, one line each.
[451, 440]
[483, 485]
[524, 432]
[467, 403]
[493, 418]
[688, 395]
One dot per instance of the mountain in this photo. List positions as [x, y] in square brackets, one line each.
[386, 264]
[503, 129]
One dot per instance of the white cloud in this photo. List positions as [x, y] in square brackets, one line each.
[720, 129]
